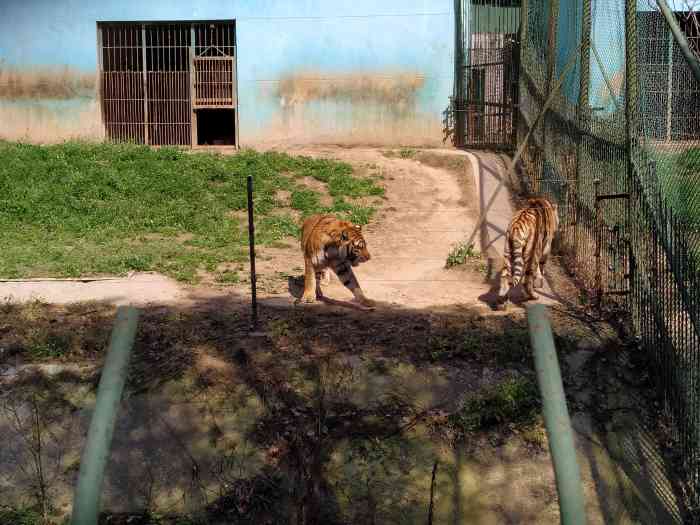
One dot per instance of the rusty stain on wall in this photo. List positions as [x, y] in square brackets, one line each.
[362, 108]
[59, 82]
[398, 90]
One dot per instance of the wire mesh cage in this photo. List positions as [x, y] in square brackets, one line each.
[619, 149]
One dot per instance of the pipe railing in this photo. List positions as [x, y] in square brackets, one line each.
[556, 417]
[86, 504]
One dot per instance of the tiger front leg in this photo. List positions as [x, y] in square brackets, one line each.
[310, 283]
[346, 276]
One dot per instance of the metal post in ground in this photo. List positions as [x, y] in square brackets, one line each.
[598, 249]
[251, 242]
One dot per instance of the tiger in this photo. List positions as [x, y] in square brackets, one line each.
[330, 243]
[527, 246]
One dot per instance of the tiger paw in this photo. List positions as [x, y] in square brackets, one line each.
[308, 298]
[368, 303]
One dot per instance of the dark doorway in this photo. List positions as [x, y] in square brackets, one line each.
[216, 127]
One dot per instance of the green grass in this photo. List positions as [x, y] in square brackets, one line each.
[679, 174]
[79, 209]
[460, 254]
[515, 401]
[10, 516]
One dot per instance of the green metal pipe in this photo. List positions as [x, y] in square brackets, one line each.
[680, 39]
[86, 504]
[556, 417]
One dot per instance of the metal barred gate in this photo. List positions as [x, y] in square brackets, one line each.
[164, 83]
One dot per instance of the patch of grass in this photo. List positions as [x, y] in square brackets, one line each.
[88, 209]
[515, 401]
[49, 346]
[460, 254]
[407, 153]
[228, 277]
[21, 516]
[678, 174]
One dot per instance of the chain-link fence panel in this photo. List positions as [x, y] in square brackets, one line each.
[619, 150]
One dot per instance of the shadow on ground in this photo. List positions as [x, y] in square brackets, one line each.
[334, 416]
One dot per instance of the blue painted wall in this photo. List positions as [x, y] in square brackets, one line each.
[314, 40]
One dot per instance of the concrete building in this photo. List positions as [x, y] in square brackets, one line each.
[305, 71]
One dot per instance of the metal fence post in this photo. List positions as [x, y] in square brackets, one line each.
[556, 417]
[251, 242]
[86, 504]
[584, 113]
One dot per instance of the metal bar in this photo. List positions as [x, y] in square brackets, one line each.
[598, 234]
[552, 27]
[96, 452]
[511, 168]
[146, 138]
[616, 292]
[682, 42]
[632, 127]
[583, 111]
[669, 105]
[612, 196]
[606, 78]
[251, 241]
[459, 85]
[193, 95]
[556, 417]
[234, 69]
[100, 79]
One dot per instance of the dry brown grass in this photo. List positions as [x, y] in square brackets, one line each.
[59, 82]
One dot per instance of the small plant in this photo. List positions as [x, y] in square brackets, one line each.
[407, 153]
[228, 277]
[535, 434]
[515, 401]
[460, 254]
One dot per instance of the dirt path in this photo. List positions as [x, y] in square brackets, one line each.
[427, 212]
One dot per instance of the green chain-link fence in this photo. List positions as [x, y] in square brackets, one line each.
[619, 149]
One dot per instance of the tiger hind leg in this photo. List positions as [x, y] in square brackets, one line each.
[506, 275]
[529, 286]
[505, 287]
[540, 269]
[321, 276]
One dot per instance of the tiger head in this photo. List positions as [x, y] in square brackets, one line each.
[351, 239]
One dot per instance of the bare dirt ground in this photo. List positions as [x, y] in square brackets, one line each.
[337, 415]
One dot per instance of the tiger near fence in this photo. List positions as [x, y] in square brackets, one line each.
[329, 243]
[527, 246]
